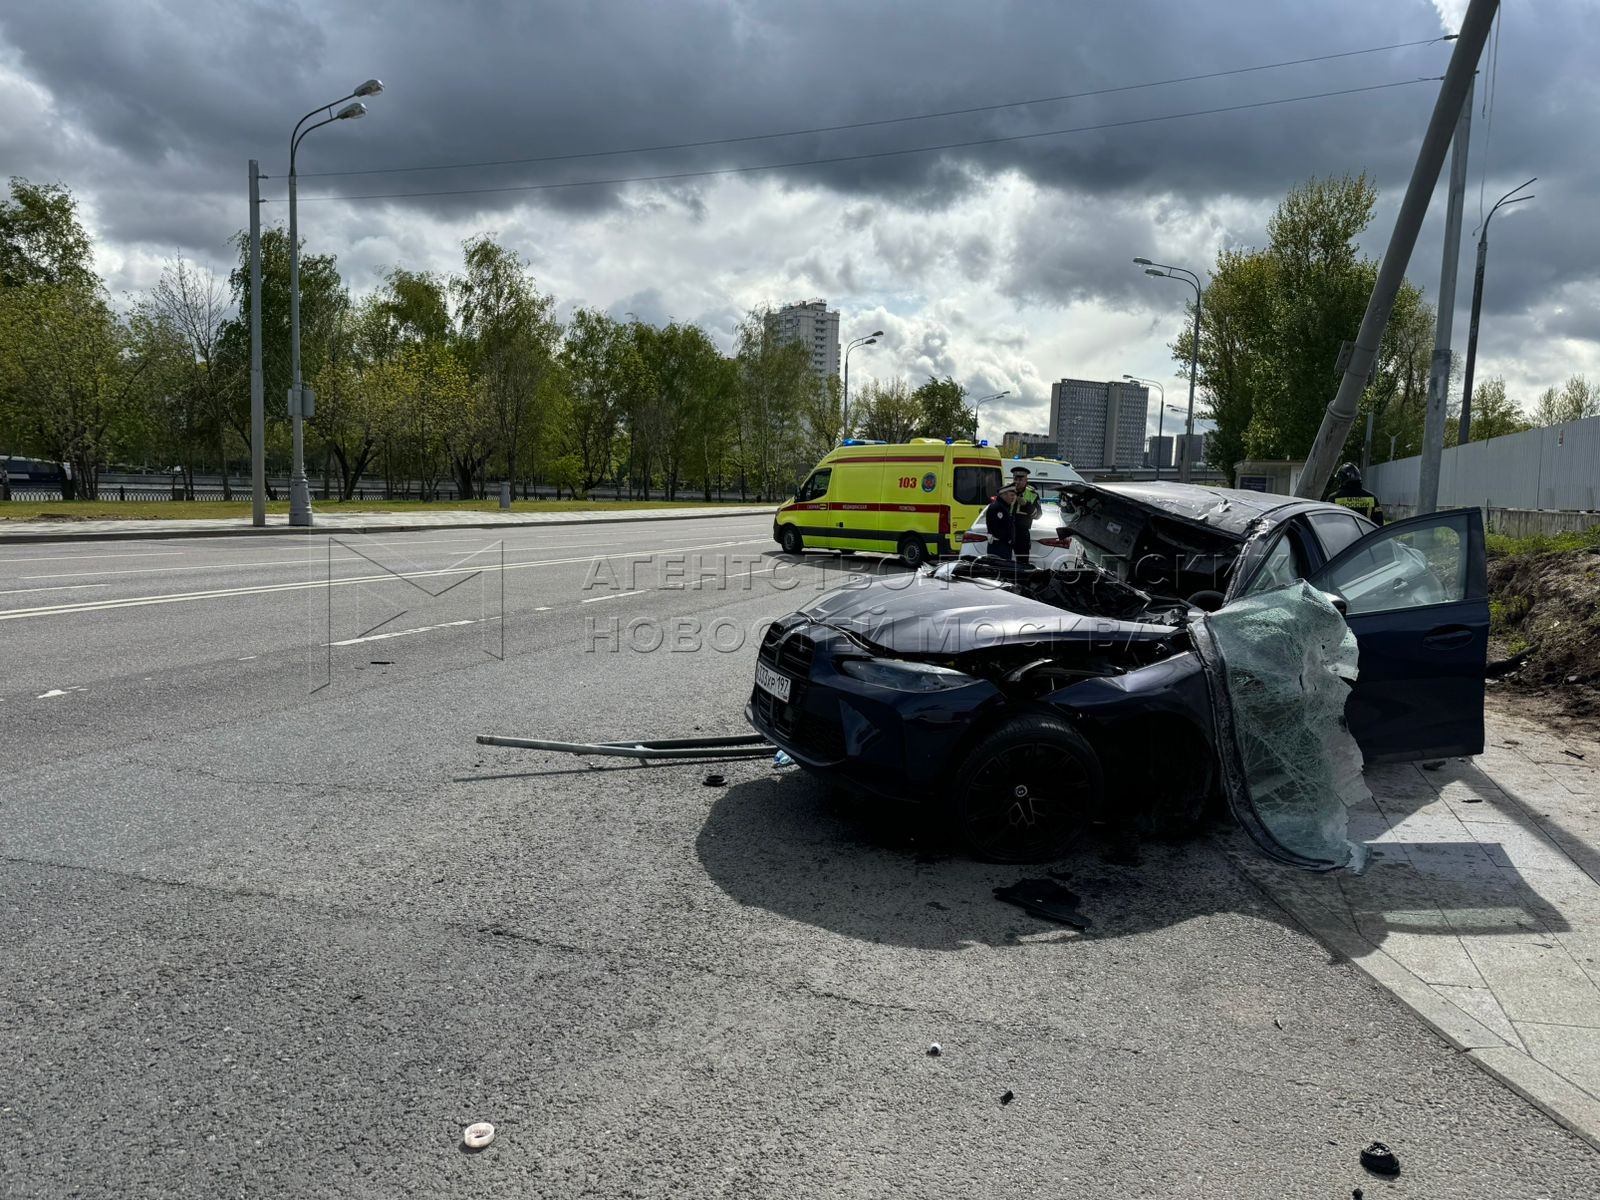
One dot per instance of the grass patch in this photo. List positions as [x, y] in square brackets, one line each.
[213, 510]
[1500, 545]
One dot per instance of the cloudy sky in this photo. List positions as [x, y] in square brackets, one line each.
[1004, 264]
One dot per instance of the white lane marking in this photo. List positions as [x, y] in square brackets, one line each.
[614, 596]
[247, 658]
[379, 637]
[60, 587]
[310, 559]
[65, 557]
[54, 692]
[16, 614]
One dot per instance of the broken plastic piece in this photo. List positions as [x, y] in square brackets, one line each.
[1380, 1160]
[782, 759]
[1044, 898]
[1278, 664]
[714, 781]
[1008, 1097]
[934, 1050]
[476, 1137]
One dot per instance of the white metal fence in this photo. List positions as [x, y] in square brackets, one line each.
[1557, 468]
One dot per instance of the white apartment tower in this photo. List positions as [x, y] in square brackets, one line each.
[813, 326]
[1099, 424]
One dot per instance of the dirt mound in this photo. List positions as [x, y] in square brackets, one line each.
[1545, 610]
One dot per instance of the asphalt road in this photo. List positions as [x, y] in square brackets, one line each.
[273, 925]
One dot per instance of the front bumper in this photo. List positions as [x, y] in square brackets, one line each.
[898, 744]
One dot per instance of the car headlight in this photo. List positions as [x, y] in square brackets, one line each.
[904, 676]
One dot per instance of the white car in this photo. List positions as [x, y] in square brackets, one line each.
[1050, 548]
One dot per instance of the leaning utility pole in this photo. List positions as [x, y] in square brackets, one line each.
[1439, 375]
[1341, 413]
[258, 412]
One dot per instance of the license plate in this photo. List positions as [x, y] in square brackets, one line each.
[772, 682]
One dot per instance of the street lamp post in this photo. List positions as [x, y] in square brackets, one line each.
[868, 340]
[1161, 414]
[983, 400]
[1477, 302]
[1183, 275]
[299, 486]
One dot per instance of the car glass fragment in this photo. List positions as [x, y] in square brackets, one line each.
[1279, 664]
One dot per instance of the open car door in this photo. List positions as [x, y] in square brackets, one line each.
[1416, 596]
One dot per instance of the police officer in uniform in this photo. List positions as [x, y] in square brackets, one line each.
[1000, 524]
[1350, 494]
[1024, 508]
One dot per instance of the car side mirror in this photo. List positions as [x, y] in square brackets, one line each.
[1339, 602]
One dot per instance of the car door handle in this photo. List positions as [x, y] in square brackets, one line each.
[1448, 636]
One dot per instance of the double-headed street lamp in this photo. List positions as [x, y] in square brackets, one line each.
[983, 400]
[867, 340]
[1161, 413]
[1183, 275]
[299, 486]
[1510, 197]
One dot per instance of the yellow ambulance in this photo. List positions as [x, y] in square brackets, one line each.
[913, 499]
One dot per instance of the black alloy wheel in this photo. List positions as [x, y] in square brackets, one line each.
[1026, 792]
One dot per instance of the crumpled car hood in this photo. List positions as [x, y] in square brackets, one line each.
[920, 615]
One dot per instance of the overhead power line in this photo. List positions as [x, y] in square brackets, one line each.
[929, 116]
[846, 158]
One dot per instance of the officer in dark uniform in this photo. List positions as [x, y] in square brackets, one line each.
[1350, 494]
[1000, 524]
[1024, 508]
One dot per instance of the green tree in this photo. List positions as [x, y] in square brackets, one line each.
[41, 239]
[509, 334]
[324, 304]
[1577, 399]
[1274, 321]
[774, 383]
[942, 410]
[887, 412]
[193, 304]
[1494, 414]
[69, 375]
[598, 356]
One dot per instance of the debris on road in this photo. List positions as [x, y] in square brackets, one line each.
[1380, 1160]
[1007, 1098]
[934, 1050]
[1045, 898]
[476, 1137]
[1572, 754]
[714, 781]
[782, 759]
[743, 746]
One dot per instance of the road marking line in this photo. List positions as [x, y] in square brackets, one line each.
[379, 637]
[312, 558]
[614, 596]
[87, 606]
[60, 587]
[54, 692]
[65, 557]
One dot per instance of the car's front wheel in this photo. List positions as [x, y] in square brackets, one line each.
[789, 538]
[1026, 792]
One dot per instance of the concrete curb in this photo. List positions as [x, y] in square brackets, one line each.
[577, 518]
[1562, 1101]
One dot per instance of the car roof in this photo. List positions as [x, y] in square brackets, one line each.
[1228, 510]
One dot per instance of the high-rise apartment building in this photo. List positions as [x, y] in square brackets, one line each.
[812, 325]
[1030, 445]
[1099, 424]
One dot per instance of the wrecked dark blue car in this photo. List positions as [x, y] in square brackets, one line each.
[1024, 706]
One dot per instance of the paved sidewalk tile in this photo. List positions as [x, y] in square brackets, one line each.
[1481, 907]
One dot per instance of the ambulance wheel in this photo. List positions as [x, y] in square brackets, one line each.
[913, 550]
[789, 538]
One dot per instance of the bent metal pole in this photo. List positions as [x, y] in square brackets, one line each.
[1341, 413]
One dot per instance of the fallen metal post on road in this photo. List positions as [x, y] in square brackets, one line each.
[745, 746]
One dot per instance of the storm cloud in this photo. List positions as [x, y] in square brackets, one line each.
[1003, 263]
